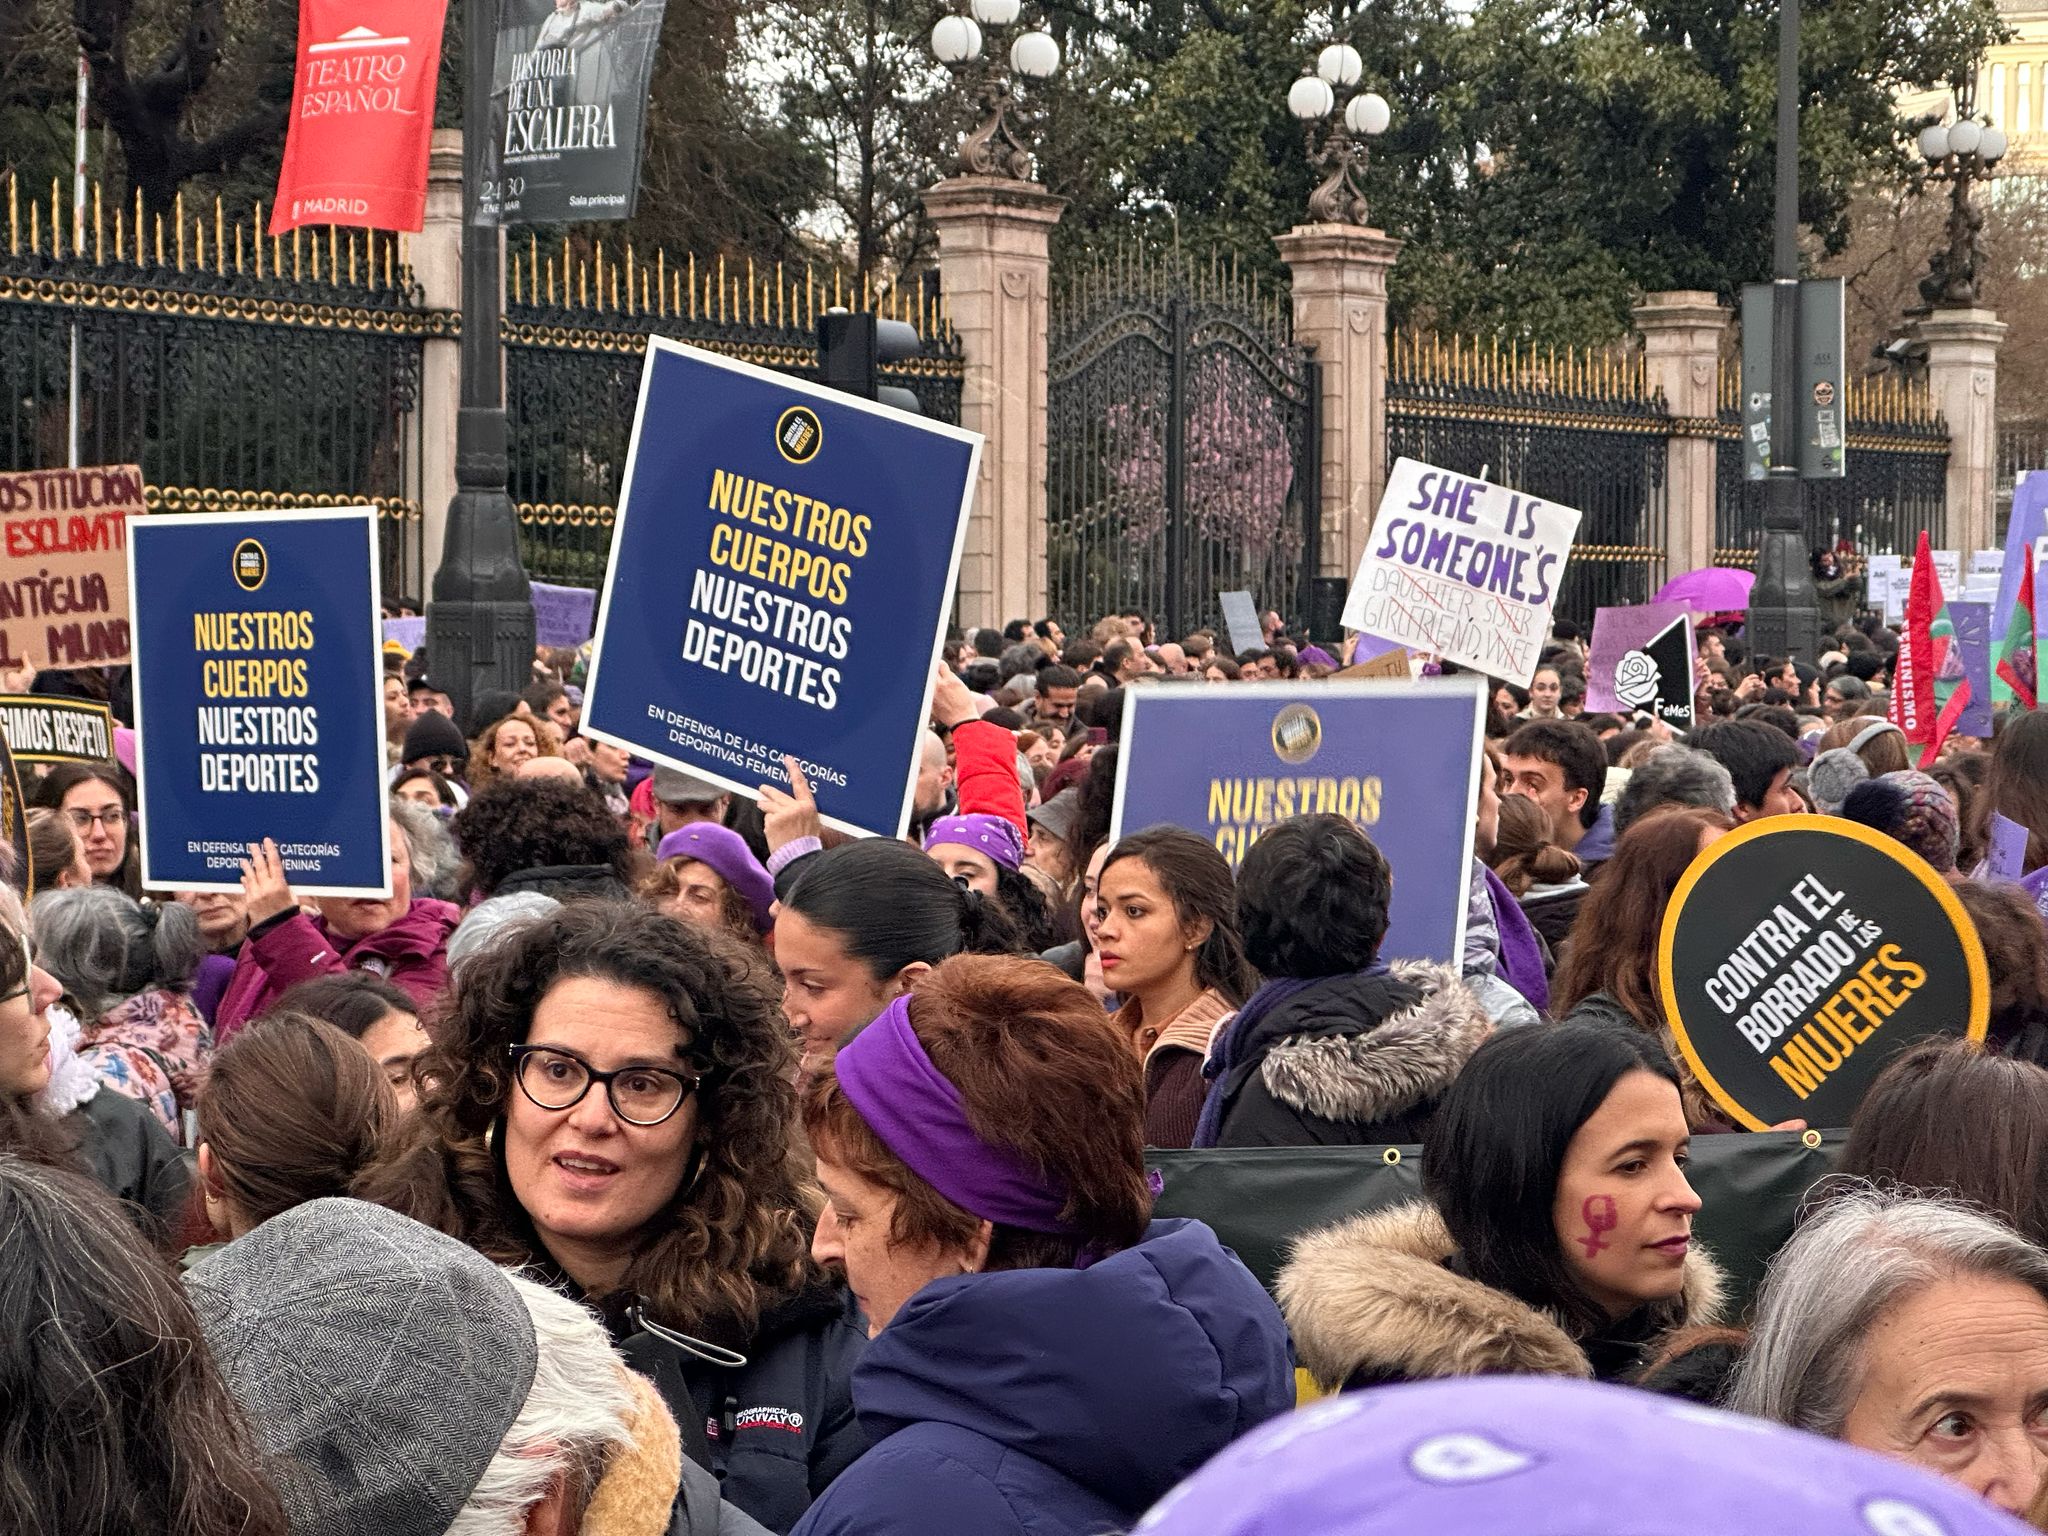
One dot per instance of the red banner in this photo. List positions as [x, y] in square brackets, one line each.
[1913, 672]
[362, 115]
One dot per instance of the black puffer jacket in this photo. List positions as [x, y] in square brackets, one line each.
[129, 1153]
[777, 1430]
[1353, 1060]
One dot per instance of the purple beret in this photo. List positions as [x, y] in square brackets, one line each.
[727, 852]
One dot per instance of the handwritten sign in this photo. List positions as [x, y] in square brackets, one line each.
[1462, 568]
[64, 566]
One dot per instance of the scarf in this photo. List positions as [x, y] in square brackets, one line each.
[1227, 1049]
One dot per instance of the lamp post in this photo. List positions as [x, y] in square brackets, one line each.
[480, 620]
[1961, 153]
[993, 148]
[1342, 154]
[1784, 610]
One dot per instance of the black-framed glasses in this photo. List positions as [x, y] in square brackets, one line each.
[556, 1079]
[83, 819]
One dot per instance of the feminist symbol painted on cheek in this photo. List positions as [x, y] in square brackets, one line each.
[1600, 1218]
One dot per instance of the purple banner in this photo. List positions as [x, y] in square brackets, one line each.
[562, 616]
[1972, 623]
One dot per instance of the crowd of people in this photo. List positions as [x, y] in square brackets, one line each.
[654, 1159]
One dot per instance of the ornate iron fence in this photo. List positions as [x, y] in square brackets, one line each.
[1182, 446]
[577, 321]
[1896, 485]
[1578, 427]
[238, 370]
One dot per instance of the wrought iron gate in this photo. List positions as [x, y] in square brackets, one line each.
[1181, 448]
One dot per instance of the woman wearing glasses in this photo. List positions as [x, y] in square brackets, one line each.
[611, 1101]
[95, 796]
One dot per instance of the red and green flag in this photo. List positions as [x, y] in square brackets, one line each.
[2016, 658]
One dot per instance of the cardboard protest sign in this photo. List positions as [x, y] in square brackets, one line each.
[1401, 759]
[64, 565]
[258, 710]
[1800, 954]
[1642, 660]
[1391, 663]
[43, 728]
[1462, 568]
[1241, 620]
[562, 616]
[781, 573]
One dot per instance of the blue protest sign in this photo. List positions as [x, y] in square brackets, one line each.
[562, 615]
[258, 707]
[781, 572]
[1401, 759]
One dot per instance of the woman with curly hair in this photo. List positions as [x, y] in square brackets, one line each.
[611, 1101]
[546, 835]
[504, 744]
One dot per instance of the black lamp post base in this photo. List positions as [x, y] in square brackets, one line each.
[1784, 612]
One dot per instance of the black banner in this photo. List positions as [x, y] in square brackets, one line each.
[14, 824]
[1800, 954]
[43, 728]
[1260, 1199]
[568, 110]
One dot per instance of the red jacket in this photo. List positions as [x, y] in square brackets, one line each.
[412, 954]
[985, 769]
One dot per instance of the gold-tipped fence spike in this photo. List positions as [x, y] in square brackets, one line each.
[178, 228]
[597, 269]
[35, 227]
[13, 217]
[661, 280]
[693, 284]
[220, 227]
[56, 220]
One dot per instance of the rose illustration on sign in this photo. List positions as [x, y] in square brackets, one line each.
[1635, 680]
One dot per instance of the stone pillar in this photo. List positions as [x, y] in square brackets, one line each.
[437, 266]
[995, 258]
[1962, 376]
[1340, 309]
[1682, 333]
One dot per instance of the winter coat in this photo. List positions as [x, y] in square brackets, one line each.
[1372, 1300]
[1059, 1402]
[1173, 1056]
[1353, 1060]
[134, 1159]
[1552, 909]
[566, 882]
[1596, 844]
[777, 1430]
[411, 954]
[985, 767]
[152, 1047]
[649, 1488]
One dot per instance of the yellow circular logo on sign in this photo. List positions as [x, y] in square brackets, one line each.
[251, 565]
[1297, 733]
[798, 435]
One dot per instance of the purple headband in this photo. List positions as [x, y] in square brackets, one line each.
[996, 836]
[918, 1114]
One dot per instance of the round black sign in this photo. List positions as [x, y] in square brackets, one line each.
[251, 564]
[798, 434]
[1800, 954]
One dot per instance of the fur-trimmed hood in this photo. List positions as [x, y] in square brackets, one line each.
[1364, 1048]
[1371, 1296]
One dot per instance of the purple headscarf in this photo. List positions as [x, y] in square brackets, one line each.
[996, 836]
[919, 1115]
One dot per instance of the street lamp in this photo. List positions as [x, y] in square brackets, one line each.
[1962, 153]
[480, 618]
[993, 149]
[1339, 199]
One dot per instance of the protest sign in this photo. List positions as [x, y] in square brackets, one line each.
[1971, 653]
[64, 583]
[14, 823]
[355, 150]
[568, 110]
[257, 707]
[44, 728]
[1241, 620]
[1395, 662]
[1401, 759]
[781, 574]
[409, 632]
[1948, 565]
[2005, 857]
[1462, 568]
[1642, 660]
[1800, 954]
[562, 615]
[1880, 581]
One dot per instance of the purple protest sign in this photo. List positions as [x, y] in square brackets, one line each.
[2006, 858]
[1972, 624]
[410, 633]
[562, 615]
[1639, 662]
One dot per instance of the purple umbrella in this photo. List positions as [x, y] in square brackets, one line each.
[1507, 1455]
[1712, 589]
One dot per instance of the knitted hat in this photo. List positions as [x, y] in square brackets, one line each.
[1478, 1456]
[1058, 814]
[1912, 808]
[379, 1362]
[726, 852]
[1834, 773]
[433, 734]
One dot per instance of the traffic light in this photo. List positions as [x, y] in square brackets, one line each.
[851, 350]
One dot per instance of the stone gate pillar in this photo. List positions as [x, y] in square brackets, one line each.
[1682, 333]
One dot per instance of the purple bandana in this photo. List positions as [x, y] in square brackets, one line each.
[918, 1114]
[996, 836]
